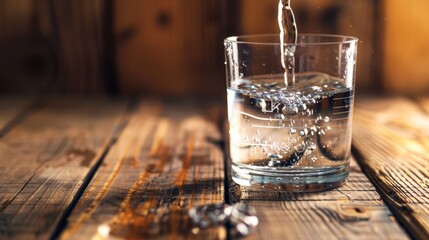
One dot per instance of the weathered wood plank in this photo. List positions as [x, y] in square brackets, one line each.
[353, 211]
[166, 160]
[390, 139]
[10, 109]
[45, 160]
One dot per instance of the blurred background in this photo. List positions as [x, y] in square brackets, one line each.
[174, 48]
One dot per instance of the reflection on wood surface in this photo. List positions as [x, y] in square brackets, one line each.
[164, 162]
[76, 169]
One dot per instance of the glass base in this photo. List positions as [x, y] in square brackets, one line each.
[291, 180]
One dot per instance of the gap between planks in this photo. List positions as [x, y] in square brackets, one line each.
[45, 159]
[13, 110]
[390, 141]
[166, 160]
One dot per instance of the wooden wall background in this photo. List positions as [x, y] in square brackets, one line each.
[174, 47]
[53, 46]
[26, 56]
[170, 47]
[406, 46]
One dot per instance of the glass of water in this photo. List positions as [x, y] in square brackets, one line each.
[290, 133]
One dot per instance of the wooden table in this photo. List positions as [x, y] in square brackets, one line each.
[68, 167]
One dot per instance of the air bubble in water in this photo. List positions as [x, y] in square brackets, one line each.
[285, 147]
[326, 119]
[274, 163]
[290, 110]
[260, 103]
[303, 132]
[275, 156]
[302, 107]
[311, 101]
[312, 146]
[274, 160]
[300, 147]
[269, 85]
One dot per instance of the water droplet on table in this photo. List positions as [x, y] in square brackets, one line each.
[241, 217]
[210, 215]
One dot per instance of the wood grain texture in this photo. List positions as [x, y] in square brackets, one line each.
[45, 160]
[79, 32]
[390, 137]
[170, 47]
[12, 108]
[166, 160]
[169, 157]
[353, 211]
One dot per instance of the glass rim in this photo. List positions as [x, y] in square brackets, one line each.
[334, 39]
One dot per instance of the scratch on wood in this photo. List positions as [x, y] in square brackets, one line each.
[96, 201]
[28, 198]
[7, 202]
[347, 196]
[86, 215]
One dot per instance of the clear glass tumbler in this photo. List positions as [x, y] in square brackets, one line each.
[290, 133]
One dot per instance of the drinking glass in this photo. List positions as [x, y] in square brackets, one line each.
[290, 132]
